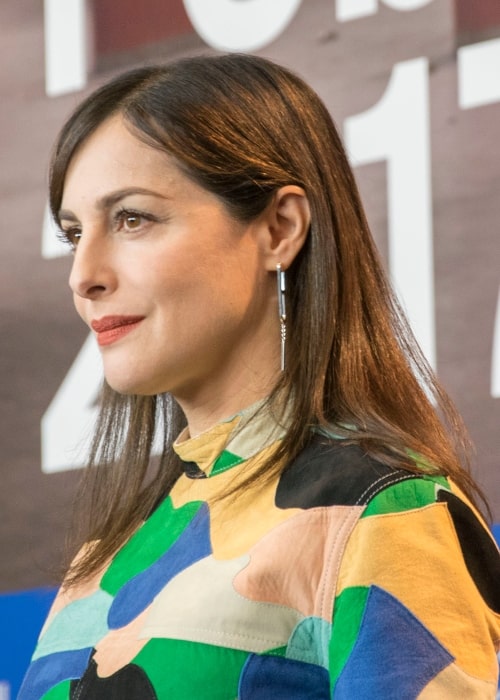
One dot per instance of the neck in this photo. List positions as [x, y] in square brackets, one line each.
[203, 414]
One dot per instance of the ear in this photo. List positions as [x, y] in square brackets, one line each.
[286, 226]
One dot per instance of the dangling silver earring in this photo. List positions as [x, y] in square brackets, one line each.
[280, 278]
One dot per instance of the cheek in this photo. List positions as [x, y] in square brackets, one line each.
[205, 298]
[199, 275]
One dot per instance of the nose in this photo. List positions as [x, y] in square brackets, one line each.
[92, 274]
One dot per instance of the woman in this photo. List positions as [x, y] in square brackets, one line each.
[308, 531]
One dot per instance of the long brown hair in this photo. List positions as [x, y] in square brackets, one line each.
[242, 127]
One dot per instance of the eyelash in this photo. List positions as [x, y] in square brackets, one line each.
[71, 235]
[122, 214]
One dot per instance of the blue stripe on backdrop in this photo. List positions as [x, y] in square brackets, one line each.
[21, 616]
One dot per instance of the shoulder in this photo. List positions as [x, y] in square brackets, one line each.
[401, 511]
[416, 602]
[331, 472]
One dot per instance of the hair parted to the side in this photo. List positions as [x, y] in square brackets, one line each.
[242, 127]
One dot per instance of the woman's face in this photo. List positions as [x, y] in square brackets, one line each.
[174, 288]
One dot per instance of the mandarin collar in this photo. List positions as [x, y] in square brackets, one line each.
[229, 442]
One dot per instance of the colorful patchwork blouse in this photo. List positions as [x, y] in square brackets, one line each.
[343, 579]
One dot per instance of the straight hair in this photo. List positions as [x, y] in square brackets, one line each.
[242, 127]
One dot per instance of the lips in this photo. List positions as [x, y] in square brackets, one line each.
[109, 329]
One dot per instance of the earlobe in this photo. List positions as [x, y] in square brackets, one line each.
[287, 222]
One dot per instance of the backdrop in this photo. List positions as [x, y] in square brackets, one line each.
[415, 87]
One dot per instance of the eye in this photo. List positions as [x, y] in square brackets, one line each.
[129, 220]
[70, 236]
[132, 221]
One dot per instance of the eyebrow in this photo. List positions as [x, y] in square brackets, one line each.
[108, 200]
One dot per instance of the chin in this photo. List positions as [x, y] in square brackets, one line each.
[134, 387]
[129, 383]
[127, 388]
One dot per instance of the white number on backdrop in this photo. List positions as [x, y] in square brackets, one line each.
[396, 130]
[352, 9]
[479, 74]
[52, 246]
[240, 25]
[68, 421]
[72, 412]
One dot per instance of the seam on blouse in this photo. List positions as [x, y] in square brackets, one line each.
[223, 635]
[377, 486]
[80, 688]
[348, 525]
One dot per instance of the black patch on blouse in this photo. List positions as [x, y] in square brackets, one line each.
[479, 551]
[193, 471]
[330, 473]
[129, 683]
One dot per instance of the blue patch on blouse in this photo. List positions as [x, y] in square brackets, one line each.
[265, 677]
[45, 673]
[394, 657]
[135, 596]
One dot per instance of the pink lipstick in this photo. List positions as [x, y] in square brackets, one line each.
[109, 329]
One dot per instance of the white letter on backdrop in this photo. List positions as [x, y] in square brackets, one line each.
[66, 46]
[240, 25]
[352, 9]
[396, 129]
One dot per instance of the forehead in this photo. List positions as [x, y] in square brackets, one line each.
[113, 157]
